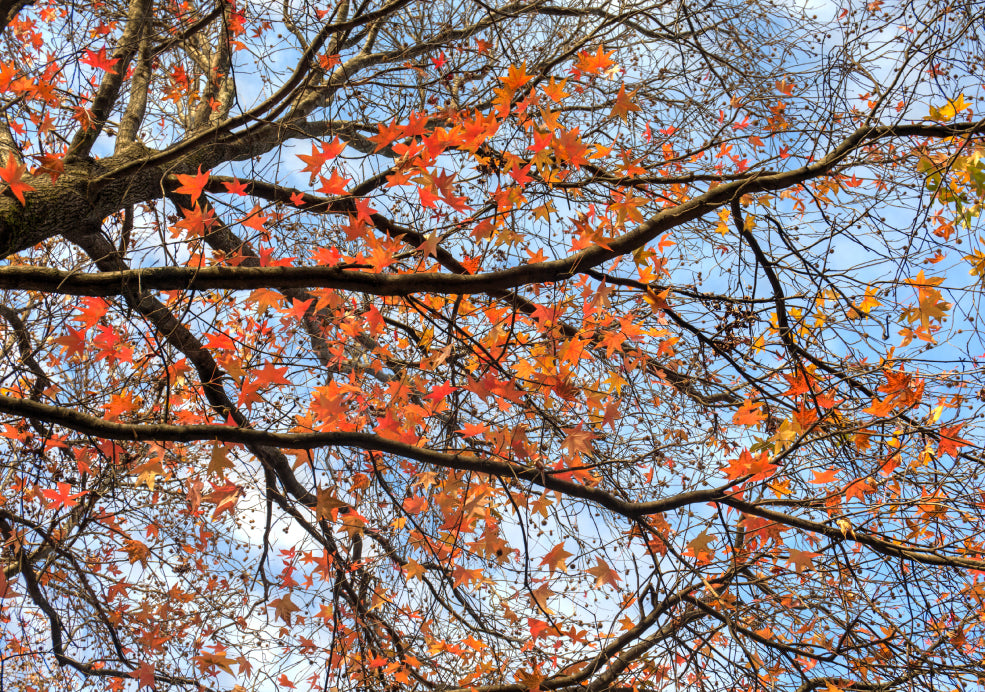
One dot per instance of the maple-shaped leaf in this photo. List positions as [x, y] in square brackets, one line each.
[334, 186]
[516, 77]
[320, 155]
[624, 104]
[219, 461]
[283, 607]
[99, 60]
[555, 90]
[798, 384]
[950, 442]
[858, 490]
[328, 505]
[208, 660]
[144, 675]
[224, 497]
[472, 429]
[555, 558]
[235, 187]
[577, 441]
[748, 414]
[136, 551]
[148, 472]
[73, 343]
[6, 589]
[52, 164]
[604, 574]
[11, 174]
[415, 505]
[255, 220]
[594, 63]
[192, 185]
[802, 559]
[386, 136]
[62, 496]
[785, 87]
[414, 570]
[538, 627]
[757, 468]
[828, 476]
[699, 548]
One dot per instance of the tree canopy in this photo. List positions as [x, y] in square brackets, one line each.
[492, 346]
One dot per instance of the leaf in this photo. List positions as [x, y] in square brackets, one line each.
[52, 164]
[555, 558]
[207, 660]
[283, 608]
[328, 505]
[219, 461]
[950, 443]
[802, 560]
[192, 185]
[516, 77]
[828, 476]
[62, 496]
[748, 414]
[784, 87]
[144, 675]
[594, 63]
[224, 497]
[415, 505]
[11, 174]
[334, 186]
[99, 60]
[235, 188]
[321, 155]
[604, 574]
[699, 547]
[555, 89]
[950, 110]
[624, 104]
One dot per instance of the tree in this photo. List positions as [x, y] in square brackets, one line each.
[531, 345]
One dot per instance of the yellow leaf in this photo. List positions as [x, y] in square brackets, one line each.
[950, 111]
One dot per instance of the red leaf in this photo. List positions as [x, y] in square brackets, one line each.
[950, 442]
[99, 60]
[62, 497]
[224, 498]
[11, 174]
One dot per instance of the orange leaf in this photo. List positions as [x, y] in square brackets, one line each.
[825, 476]
[950, 442]
[192, 185]
[748, 414]
[555, 558]
[224, 498]
[594, 63]
[516, 77]
[624, 104]
[604, 574]
[11, 174]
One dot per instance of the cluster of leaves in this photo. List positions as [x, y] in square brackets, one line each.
[537, 346]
